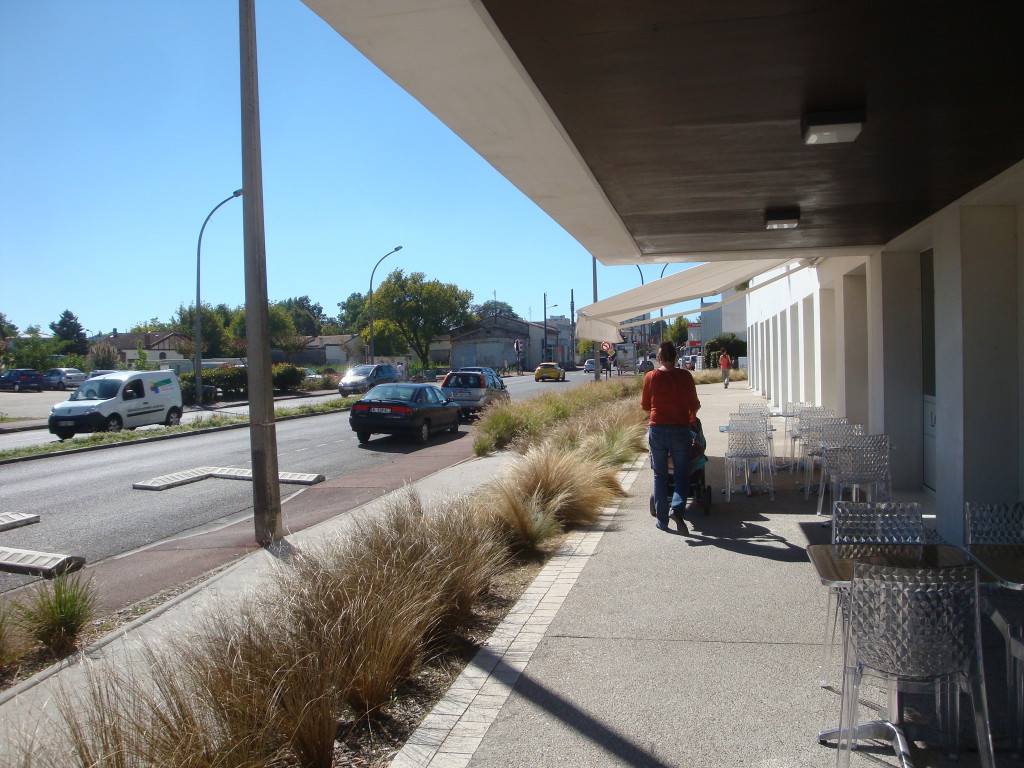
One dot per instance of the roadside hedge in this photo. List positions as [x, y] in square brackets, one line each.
[233, 381]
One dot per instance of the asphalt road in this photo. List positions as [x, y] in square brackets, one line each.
[87, 505]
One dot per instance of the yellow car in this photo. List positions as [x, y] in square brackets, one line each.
[551, 371]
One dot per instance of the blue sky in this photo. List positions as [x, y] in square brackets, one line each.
[120, 131]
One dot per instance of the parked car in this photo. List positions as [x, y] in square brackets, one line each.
[123, 399]
[474, 390]
[18, 379]
[99, 372]
[403, 408]
[312, 376]
[644, 366]
[589, 366]
[549, 371]
[480, 369]
[63, 378]
[363, 378]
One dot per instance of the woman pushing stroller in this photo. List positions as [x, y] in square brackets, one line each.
[670, 396]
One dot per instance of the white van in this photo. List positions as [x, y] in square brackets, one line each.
[127, 399]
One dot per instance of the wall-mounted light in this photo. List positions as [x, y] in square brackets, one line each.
[781, 218]
[832, 127]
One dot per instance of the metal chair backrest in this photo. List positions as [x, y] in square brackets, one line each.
[890, 608]
[993, 523]
[879, 522]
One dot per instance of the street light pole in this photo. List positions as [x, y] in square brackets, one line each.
[544, 347]
[661, 326]
[199, 326]
[393, 250]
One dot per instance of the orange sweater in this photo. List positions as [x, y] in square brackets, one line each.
[670, 396]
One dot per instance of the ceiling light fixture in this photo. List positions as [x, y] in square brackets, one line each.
[781, 218]
[832, 127]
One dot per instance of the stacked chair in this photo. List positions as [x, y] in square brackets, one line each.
[996, 525]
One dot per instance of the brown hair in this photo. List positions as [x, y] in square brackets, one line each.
[667, 353]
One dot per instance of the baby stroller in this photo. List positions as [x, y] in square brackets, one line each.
[698, 489]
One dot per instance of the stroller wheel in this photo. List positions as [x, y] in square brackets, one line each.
[705, 499]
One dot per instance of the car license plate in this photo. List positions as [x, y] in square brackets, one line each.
[461, 394]
[65, 423]
[380, 410]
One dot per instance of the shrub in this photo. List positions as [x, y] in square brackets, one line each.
[187, 382]
[57, 612]
[286, 376]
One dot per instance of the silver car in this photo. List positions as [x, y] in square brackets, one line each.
[474, 390]
[63, 378]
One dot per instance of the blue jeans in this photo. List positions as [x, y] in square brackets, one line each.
[666, 440]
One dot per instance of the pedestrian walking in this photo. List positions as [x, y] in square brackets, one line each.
[401, 372]
[726, 363]
[670, 397]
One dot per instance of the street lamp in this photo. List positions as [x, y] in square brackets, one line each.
[544, 356]
[199, 327]
[393, 250]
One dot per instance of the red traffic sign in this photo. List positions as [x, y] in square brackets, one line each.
[606, 346]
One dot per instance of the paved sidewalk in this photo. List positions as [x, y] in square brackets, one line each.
[634, 647]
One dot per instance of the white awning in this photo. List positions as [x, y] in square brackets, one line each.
[602, 320]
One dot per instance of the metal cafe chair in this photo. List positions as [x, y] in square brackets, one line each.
[808, 428]
[987, 525]
[916, 629]
[757, 413]
[748, 444]
[790, 416]
[867, 523]
[862, 464]
[811, 428]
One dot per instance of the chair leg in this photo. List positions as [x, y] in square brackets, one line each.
[982, 731]
[828, 642]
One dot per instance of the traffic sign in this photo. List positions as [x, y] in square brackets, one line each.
[606, 346]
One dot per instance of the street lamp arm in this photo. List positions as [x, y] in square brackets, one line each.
[393, 250]
[199, 326]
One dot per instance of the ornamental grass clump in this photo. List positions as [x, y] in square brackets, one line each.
[572, 488]
[57, 612]
[123, 717]
[523, 521]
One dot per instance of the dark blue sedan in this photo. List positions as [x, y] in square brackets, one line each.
[413, 409]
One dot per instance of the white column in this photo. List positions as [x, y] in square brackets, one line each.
[895, 386]
[851, 316]
[825, 332]
[977, 383]
[809, 349]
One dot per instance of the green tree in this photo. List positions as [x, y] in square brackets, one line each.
[585, 347]
[34, 352]
[104, 356]
[307, 317]
[679, 331]
[491, 308]
[723, 342]
[8, 329]
[70, 333]
[420, 308]
[387, 338]
[353, 313]
[215, 337]
[153, 324]
[280, 327]
[142, 364]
